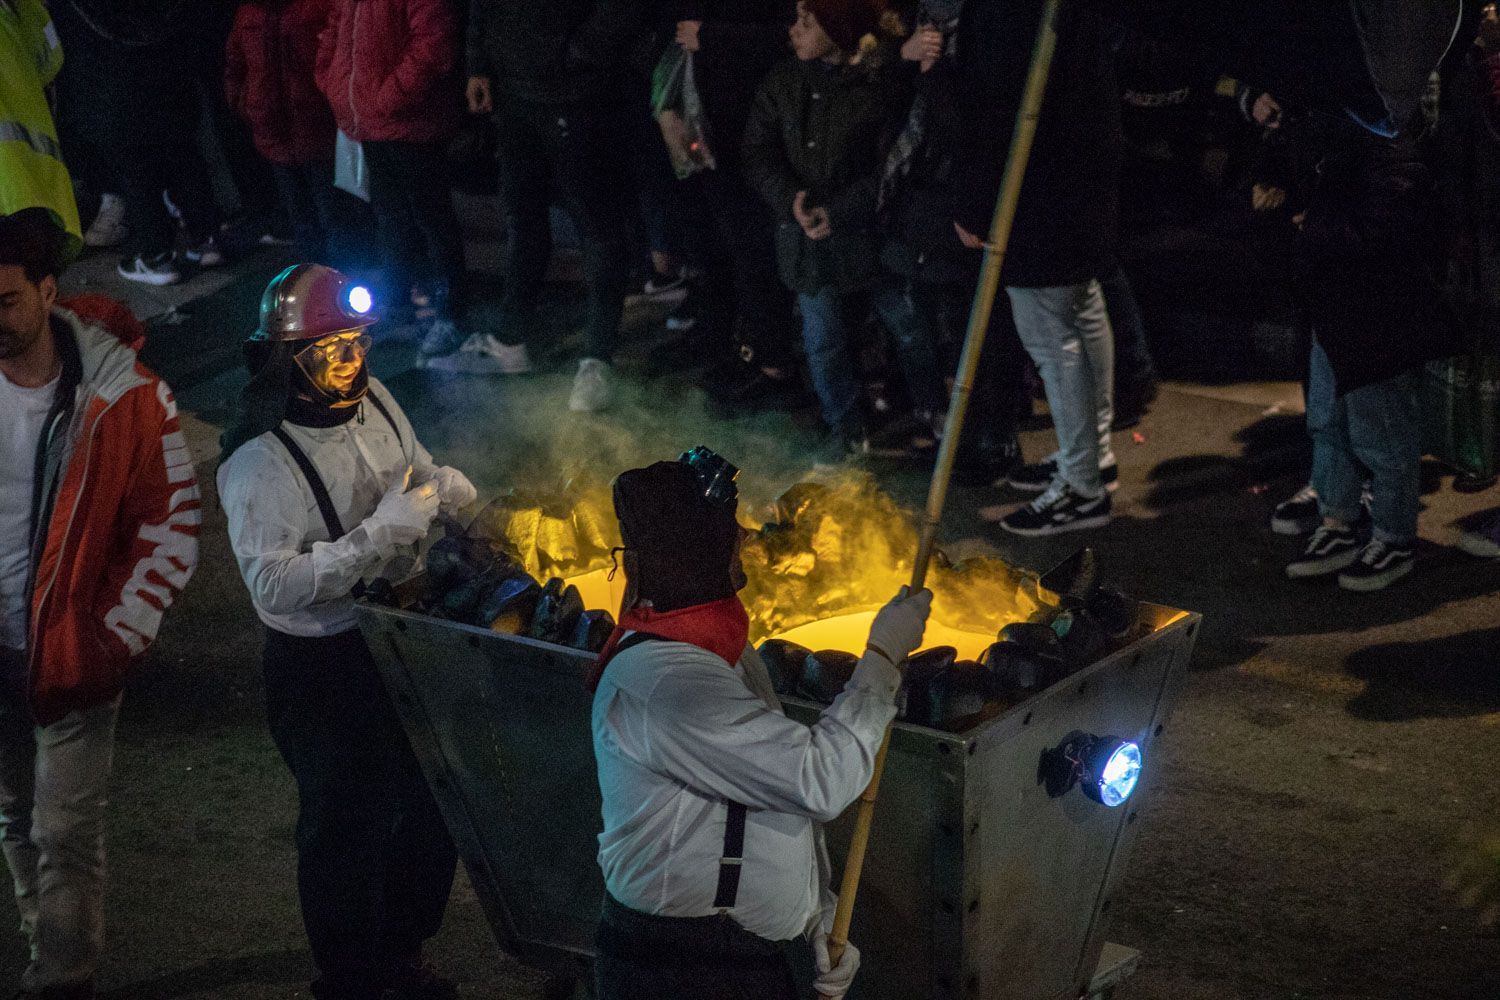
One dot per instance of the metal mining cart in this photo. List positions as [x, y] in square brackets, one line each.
[980, 884]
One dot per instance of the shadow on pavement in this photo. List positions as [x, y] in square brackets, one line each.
[273, 969]
[1450, 677]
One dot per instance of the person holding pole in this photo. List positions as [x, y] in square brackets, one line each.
[712, 851]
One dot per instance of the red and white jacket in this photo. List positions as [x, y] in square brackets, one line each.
[116, 530]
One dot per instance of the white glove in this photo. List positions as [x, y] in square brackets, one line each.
[834, 981]
[403, 516]
[897, 630]
[454, 488]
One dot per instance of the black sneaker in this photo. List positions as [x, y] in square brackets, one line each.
[151, 269]
[1298, 514]
[1057, 510]
[1378, 566]
[1328, 551]
[1036, 478]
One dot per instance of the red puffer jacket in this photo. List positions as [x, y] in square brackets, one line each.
[270, 78]
[390, 69]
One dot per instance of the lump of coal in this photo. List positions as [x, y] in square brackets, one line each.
[1031, 636]
[557, 612]
[915, 698]
[825, 673]
[592, 631]
[1073, 579]
[1021, 671]
[785, 662]
[1080, 640]
[509, 605]
[1114, 612]
[964, 694]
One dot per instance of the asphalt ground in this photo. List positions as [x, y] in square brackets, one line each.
[1329, 757]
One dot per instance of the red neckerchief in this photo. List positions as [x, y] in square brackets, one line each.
[722, 627]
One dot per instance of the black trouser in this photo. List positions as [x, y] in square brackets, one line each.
[575, 152]
[176, 166]
[644, 957]
[746, 297]
[324, 222]
[374, 861]
[420, 240]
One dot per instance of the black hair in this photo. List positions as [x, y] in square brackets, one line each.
[32, 240]
[263, 402]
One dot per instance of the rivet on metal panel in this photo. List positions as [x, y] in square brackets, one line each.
[1082, 688]
[1104, 906]
[973, 906]
[1026, 721]
[973, 749]
[1131, 818]
[1191, 629]
[974, 828]
[1158, 730]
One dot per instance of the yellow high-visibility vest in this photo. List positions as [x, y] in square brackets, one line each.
[32, 172]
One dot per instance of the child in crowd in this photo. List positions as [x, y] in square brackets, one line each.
[813, 149]
[389, 69]
[270, 81]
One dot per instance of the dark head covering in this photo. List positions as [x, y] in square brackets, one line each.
[683, 543]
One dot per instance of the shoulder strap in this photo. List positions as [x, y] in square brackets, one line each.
[374, 398]
[314, 482]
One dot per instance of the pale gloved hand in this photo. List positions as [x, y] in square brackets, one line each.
[834, 980]
[454, 489]
[898, 628]
[403, 516]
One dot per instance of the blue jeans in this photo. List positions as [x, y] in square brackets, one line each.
[1066, 331]
[830, 362]
[914, 315]
[1377, 427]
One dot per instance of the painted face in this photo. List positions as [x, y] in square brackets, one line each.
[809, 40]
[23, 310]
[332, 363]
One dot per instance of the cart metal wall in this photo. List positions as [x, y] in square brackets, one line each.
[980, 885]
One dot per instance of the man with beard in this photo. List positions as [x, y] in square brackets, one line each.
[319, 445]
[714, 800]
[99, 519]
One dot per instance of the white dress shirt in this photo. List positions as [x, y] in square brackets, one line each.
[299, 580]
[678, 734]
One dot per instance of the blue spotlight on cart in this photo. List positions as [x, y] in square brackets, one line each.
[1107, 768]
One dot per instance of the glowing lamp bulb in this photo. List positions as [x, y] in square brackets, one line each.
[360, 300]
[1112, 782]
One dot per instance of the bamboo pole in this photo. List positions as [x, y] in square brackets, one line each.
[979, 320]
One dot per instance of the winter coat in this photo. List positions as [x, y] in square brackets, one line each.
[116, 524]
[1066, 221]
[1366, 257]
[270, 79]
[556, 52]
[823, 129]
[740, 41]
[389, 69]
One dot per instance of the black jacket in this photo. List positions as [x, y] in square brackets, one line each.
[1066, 222]
[823, 129]
[1366, 258]
[555, 51]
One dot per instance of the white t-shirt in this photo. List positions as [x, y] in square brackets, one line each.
[23, 412]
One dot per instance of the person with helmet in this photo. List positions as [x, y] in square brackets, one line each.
[712, 851]
[325, 486]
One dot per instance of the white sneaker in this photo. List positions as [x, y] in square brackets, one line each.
[108, 227]
[153, 269]
[593, 387]
[483, 354]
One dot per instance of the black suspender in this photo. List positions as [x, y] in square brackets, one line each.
[731, 862]
[315, 481]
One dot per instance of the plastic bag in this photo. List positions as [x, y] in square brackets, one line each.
[350, 172]
[679, 113]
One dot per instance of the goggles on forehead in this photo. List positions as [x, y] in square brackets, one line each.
[715, 475]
